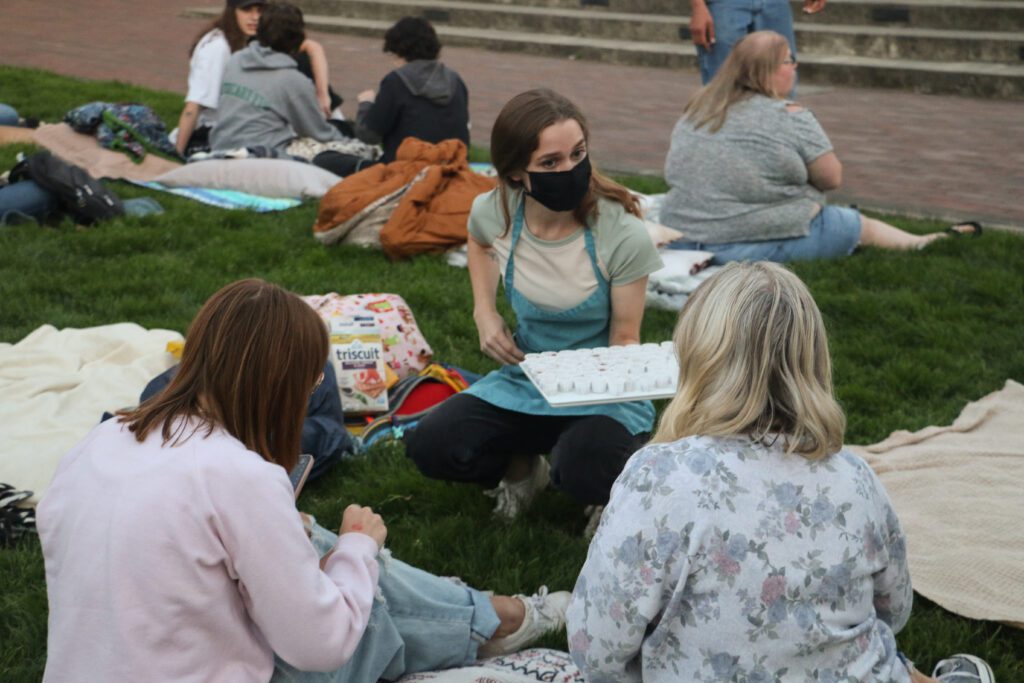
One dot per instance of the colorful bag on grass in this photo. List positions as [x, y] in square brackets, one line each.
[405, 350]
[410, 399]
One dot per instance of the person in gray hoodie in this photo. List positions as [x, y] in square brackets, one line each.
[265, 100]
[422, 98]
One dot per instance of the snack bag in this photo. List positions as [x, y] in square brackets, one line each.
[357, 354]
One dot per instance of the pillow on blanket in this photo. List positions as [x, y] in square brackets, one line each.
[265, 177]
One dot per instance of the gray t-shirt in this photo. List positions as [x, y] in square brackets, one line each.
[747, 182]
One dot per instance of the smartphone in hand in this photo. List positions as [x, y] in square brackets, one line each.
[300, 472]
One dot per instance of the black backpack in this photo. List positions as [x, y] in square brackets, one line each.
[85, 198]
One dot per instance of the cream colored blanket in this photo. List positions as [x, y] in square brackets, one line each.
[83, 150]
[959, 492]
[55, 385]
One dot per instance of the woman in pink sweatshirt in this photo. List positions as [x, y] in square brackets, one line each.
[174, 551]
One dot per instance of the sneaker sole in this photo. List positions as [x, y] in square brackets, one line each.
[985, 673]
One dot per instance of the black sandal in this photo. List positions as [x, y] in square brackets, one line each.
[976, 232]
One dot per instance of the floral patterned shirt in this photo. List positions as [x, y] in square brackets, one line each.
[722, 559]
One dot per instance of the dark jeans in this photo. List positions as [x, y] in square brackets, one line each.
[323, 431]
[341, 164]
[467, 439]
[26, 201]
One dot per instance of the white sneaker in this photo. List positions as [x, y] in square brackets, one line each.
[514, 497]
[545, 612]
[963, 669]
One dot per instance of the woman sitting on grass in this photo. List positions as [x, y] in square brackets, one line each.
[266, 102]
[574, 256]
[744, 543]
[229, 33]
[747, 170]
[174, 551]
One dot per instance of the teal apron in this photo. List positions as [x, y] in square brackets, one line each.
[583, 326]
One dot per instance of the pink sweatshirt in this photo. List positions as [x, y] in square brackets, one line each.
[190, 563]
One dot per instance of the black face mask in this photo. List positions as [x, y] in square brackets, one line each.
[561, 190]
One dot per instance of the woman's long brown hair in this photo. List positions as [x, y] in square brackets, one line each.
[228, 23]
[252, 356]
[514, 139]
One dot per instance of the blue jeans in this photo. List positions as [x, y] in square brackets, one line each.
[834, 233]
[8, 115]
[25, 201]
[419, 622]
[735, 19]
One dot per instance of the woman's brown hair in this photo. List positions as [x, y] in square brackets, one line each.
[228, 24]
[252, 356]
[516, 136]
[746, 72]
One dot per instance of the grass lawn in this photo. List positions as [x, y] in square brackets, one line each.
[914, 336]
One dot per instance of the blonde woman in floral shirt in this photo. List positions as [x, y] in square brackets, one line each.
[744, 543]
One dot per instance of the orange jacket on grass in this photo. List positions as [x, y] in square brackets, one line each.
[421, 200]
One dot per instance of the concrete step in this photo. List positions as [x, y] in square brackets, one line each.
[910, 43]
[892, 42]
[959, 15]
[972, 15]
[977, 79]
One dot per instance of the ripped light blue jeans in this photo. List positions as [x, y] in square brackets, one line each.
[419, 622]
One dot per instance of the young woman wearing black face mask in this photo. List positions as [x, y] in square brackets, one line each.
[574, 257]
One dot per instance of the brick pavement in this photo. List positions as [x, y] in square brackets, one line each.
[929, 155]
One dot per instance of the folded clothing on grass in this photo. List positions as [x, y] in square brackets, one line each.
[84, 150]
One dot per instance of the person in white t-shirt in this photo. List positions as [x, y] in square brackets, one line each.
[229, 33]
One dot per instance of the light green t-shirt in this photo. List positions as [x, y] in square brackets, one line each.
[556, 275]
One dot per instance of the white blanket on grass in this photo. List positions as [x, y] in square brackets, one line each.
[56, 384]
[959, 493]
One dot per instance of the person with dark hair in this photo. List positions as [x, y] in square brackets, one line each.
[173, 549]
[266, 102]
[574, 256]
[208, 57]
[422, 98]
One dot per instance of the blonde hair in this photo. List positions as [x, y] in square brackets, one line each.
[747, 71]
[754, 361]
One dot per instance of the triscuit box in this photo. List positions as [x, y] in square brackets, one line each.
[357, 354]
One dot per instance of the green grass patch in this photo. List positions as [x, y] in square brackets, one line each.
[914, 337]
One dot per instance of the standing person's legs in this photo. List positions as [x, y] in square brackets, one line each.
[733, 19]
[589, 455]
[468, 439]
[775, 15]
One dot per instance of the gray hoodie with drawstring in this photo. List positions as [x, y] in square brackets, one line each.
[266, 101]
